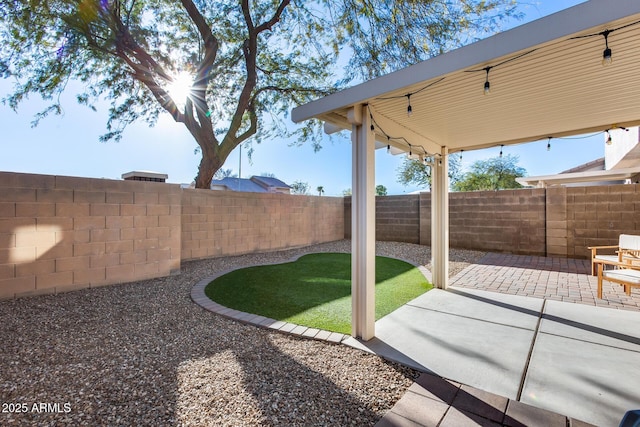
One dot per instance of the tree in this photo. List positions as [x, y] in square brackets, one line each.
[227, 70]
[418, 173]
[224, 173]
[497, 173]
[346, 192]
[320, 190]
[299, 187]
[381, 190]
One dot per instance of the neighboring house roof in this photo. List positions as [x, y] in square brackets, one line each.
[269, 182]
[594, 165]
[620, 164]
[600, 177]
[255, 184]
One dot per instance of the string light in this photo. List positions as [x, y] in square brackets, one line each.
[549, 144]
[609, 141]
[487, 85]
[401, 138]
[408, 95]
[461, 151]
[606, 55]
[607, 58]
[501, 145]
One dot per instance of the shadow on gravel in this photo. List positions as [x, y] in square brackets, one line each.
[144, 354]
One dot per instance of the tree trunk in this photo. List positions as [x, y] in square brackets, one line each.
[209, 165]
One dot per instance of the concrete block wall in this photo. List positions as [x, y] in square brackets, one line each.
[501, 221]
[556, 217]
[219, 223]
[397, 218]
[596, 216]
[62, 233]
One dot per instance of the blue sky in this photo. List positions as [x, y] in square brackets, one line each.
[69, 145]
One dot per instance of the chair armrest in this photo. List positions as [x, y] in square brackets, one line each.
[619, 264]
[602, 247]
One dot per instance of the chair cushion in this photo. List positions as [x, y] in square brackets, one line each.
[613, 258]
[629, 241]
[623, 274]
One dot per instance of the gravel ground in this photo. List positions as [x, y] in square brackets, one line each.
[144, 354]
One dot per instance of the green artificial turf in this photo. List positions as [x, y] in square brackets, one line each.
[315, 290]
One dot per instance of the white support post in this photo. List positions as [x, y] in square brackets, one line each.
[363, 227]
[440, 220]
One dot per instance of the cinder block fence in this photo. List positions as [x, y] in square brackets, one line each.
[62, 233]
[556, 221]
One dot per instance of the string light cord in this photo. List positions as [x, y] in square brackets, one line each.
[607, 57]
[487, 84]
[420, 150]
[410, 94]
[605, 32]
[501, 63]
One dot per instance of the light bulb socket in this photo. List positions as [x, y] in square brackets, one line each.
[607, 59]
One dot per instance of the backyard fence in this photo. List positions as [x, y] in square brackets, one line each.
[556, 221]
[62, 233]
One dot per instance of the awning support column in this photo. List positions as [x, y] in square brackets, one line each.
[363, 227]
[440, 220]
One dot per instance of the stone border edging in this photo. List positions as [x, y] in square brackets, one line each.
[199, 297]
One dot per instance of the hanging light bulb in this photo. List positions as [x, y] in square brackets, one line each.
[461, 151]
[609, 141]
[549, 144]
[487, 85]
[409, 109]
[388, 148]
[606, 55]
[501, 150]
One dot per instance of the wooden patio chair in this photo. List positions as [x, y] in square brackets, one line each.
[627, 250]
[625, 274]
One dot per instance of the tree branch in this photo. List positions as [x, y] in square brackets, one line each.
[247, 15]
[253, 127]
[274, 19]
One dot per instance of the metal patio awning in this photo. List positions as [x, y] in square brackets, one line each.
[546, 80]
[558, 87]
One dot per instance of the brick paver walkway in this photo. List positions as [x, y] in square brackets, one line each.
[560, 279]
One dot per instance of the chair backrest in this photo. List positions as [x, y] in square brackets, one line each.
[629, 241]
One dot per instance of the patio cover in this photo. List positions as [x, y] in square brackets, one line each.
[546, 80]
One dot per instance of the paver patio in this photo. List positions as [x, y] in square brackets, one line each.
[560, 279]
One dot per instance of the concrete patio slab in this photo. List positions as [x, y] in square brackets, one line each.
[584, 380]
[511, 310]
[488, 355]
[577, 360]
[615, 328]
